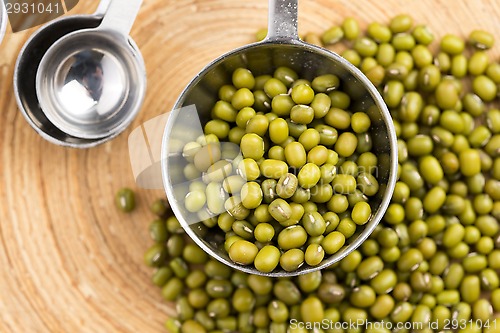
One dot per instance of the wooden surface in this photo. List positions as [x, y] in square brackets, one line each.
[69, 262]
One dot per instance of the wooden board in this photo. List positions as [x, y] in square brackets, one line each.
[69, 261]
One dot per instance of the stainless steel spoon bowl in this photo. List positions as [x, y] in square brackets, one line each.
[91, 83]
[26, 68]
[281, 48]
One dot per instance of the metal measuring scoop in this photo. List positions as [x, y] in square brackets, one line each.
[282, 47]
[91, 83]
[26, 68]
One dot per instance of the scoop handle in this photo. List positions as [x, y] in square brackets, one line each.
[282, 22]
[120, 16]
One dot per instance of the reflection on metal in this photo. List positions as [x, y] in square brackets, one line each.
[3, 20]
[90, 83]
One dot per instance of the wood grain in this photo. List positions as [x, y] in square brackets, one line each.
[70, 262]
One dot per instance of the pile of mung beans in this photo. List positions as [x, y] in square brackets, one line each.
[434, 260]
[300, 187]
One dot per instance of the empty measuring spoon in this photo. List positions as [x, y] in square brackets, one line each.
[26, 68]
[91, 83]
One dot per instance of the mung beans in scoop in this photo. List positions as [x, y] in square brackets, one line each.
[300, 186]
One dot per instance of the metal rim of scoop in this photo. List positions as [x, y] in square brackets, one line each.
[3, 20]
[281, 35]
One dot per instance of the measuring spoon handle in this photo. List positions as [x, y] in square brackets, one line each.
[282, 22]
[102, 8]
[120, 16]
